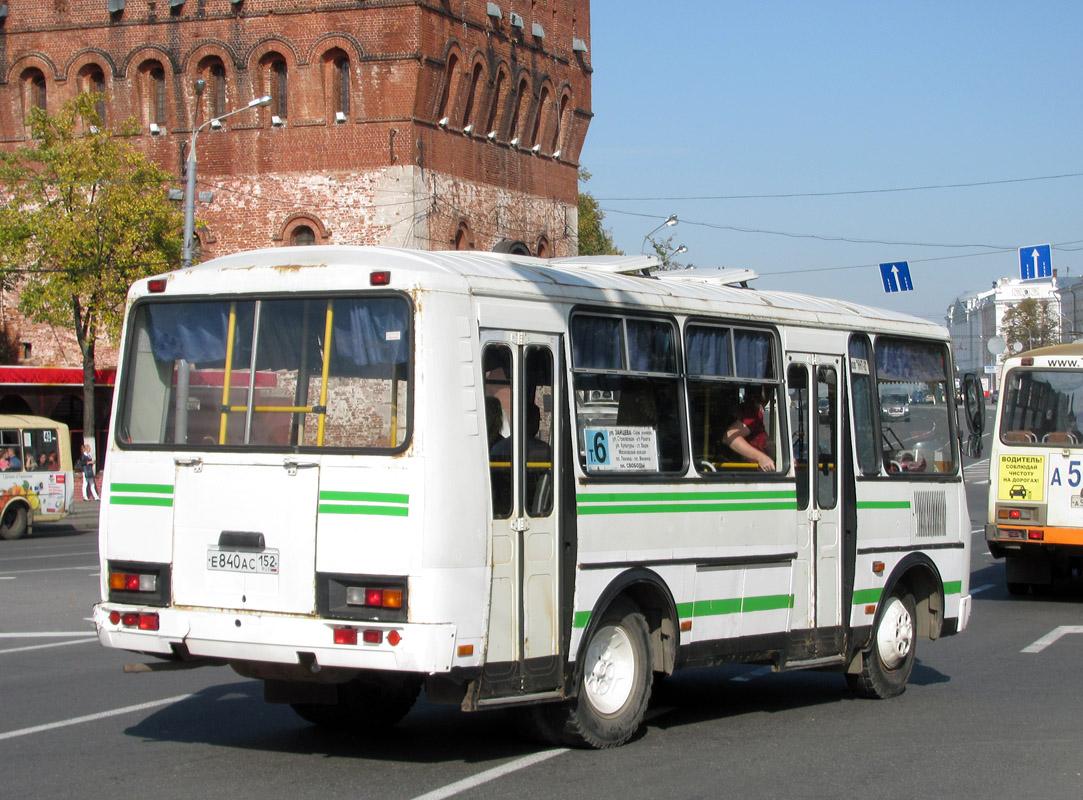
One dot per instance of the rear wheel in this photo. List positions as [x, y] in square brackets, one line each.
[370, 702]
[888, 662]
[13, 522]
[614, 685]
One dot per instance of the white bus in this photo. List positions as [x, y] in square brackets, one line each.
[350, 472]
[1035, 520]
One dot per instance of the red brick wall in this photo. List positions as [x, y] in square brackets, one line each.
[389, 173]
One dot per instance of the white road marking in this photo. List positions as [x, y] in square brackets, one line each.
[6, 559]
[981, 589]
[46, 634]
[44, 569]
[43, 646]
[116, 712]
[489, 775]
[1051, 637]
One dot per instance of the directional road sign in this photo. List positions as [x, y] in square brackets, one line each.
[896, 276]
[1035, 262]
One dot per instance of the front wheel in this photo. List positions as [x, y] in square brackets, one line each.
[614, 685]
[13, 522]
[887, 664]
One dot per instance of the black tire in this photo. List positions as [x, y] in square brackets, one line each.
[1018, 588]
[364, 704]
[613, 678]
[889, 660]
[14, 522]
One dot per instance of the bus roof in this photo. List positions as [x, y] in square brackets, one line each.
[1053, 350]
[29, 421]
[578, 280]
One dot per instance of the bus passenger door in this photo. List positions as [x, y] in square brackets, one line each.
[523, 420]
[815, 427]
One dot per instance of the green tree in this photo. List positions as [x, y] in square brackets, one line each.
[83, 216]
[594, 240]
[1031, 323]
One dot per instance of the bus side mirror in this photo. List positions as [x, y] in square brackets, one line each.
[974, 406]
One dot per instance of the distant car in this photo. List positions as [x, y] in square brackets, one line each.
[895, 407]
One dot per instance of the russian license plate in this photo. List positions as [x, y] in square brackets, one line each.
[264, 562]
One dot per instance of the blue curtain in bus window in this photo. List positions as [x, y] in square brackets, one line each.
[708, 351]
[371, 331]
[909, 361]
[596, 343]
[195, 332]
[752, 352]
[650, 347]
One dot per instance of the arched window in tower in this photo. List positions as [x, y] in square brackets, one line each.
[302, 236]
[92, 80]
[497, 102]
[542, 117]
[276, 76]
[563, 119]
[337, 83]
[216, 88]
[471, 97]
[544, 250]
[462, 239]
[519, 111]
[451, 86]
[34, 91]
[153, 87]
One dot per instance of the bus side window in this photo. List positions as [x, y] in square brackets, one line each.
[496, 366]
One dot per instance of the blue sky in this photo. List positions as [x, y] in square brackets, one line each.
[717, 99]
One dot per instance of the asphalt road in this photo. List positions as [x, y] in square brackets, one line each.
[982, 717]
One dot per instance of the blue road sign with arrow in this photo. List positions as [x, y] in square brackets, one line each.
[896, 276]
[1035, 262]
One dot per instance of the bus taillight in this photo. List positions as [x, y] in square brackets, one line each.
[132, 619]
[1036, 535]
[133, 582]
[373, 597]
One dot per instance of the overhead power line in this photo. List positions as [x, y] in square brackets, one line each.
[891, 190]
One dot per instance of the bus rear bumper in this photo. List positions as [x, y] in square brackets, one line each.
[282, 639]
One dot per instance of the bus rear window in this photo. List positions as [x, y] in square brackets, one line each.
[1042, 406]
[330, 373]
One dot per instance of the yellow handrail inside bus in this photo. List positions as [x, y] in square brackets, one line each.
[326, 371]
[229, 371]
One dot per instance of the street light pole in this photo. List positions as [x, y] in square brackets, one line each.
[671, 220]
[188, 247]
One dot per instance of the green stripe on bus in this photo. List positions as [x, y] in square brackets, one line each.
[713, 608]
[677, 497]
[883, 504]
[144, 488]
[366, 497]
[383, 511]
[867, 596]
[127, 500]
[682, 508]
[953, 587]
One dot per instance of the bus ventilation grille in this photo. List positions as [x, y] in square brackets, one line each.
[931, 514]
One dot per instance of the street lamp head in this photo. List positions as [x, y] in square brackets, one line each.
[260, 101]
[199, 86]
[671, 220]
[680, 249]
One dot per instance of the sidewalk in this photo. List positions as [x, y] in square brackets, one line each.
[84, 516]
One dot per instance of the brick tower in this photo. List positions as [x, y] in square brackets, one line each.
[434, 124]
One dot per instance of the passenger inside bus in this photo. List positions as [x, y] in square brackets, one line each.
[747, 434]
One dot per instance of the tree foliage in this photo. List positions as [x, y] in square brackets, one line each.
[1031, 323]
[594, 240]
[83, 216]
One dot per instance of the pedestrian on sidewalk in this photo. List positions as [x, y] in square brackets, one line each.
[86, 464]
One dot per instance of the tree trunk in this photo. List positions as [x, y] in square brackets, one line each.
[88, 398]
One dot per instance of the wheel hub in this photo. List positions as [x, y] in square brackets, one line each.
[895, 635]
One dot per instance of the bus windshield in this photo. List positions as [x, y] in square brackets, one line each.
[303, 373]
[1042, 406]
